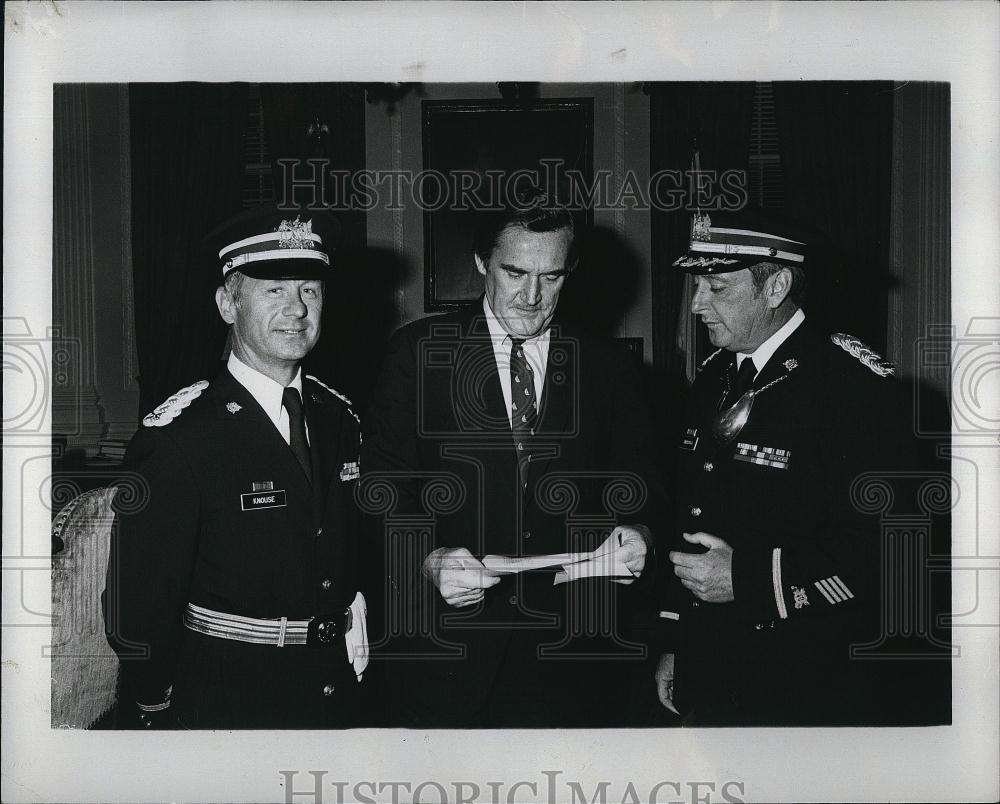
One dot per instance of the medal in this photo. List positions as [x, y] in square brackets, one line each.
[728, 423]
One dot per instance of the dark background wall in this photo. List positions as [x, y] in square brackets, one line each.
[142, 172]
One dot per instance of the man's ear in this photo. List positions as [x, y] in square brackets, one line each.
[226, 304]
[779, 286]
[480, 266]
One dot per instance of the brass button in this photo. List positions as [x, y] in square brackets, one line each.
[708, 466]
[328, 690]
[527, 534]
[512, 600]
[326, 584]
[696, 511]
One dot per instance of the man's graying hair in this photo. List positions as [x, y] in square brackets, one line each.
[762, 270]
[534, 211]
[233, 284]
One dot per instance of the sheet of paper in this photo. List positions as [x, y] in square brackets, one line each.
[508, 565]
[609, 565]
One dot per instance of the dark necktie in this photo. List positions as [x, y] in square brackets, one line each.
[523, 407]
[292, 402]
[744, 380]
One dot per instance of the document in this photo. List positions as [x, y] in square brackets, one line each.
[604, 562]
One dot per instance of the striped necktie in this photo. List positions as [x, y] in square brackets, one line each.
[523, 407]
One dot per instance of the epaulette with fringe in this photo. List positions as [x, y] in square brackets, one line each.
[868, 356]
[337, 394]
[170, 409]
[709, 359]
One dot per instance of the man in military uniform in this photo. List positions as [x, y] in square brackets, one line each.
[232, 596]
[779, 567]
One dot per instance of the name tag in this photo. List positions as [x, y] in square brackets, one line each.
[266, 499]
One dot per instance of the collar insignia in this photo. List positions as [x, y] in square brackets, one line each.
[232, 407]
[791, 364]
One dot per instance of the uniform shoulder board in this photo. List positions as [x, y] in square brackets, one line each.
[174, 404]
[709, 359]
[868, 356]
[336, 393]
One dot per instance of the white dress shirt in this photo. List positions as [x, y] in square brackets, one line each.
[267, 392]
[536, 352]
[763, 353]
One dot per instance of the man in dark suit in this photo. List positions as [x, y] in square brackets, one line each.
[232, 596]
[497, 430]
[779, 555]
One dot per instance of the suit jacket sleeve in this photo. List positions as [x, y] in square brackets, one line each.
[150, 566]
[631, 447]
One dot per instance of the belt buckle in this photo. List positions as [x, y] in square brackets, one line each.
[323, 631]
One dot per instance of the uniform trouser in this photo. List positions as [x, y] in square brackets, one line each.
[228, 684]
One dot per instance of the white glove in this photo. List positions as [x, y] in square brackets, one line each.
[356, 639]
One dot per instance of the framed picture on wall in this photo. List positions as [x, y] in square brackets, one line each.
[476, 152]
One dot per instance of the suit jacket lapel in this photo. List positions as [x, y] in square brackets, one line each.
[559, 410]
[785, 359]
[322, 449]
[480, 345]
[256, 426]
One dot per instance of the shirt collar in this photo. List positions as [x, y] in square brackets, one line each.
[266, 391]
[763, 352]
[500, 336]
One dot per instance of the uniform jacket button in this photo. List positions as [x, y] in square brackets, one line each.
[326, 584]
[708, 466]
[527, 534]
[328, 690]
[319, 532]
[512, 600]
[696, 511]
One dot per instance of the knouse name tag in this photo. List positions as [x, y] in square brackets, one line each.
[263, 499]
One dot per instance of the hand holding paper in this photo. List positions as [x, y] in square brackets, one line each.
[622, 557]
[632, 552]
[459, 576]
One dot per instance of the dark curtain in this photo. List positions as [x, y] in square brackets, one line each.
[186, 142]
[715, 117]
[836, 153]
[326, 122]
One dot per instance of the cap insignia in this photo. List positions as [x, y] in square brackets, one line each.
[700, 227]
[292, 234]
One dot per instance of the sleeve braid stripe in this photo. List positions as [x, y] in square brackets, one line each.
[779, 597]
